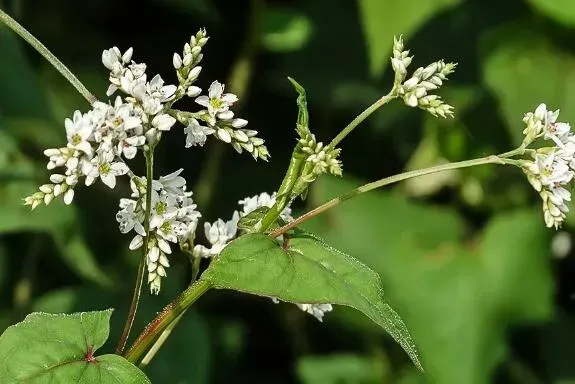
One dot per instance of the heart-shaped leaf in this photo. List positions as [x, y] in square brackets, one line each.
[59, 348]
[309, 271]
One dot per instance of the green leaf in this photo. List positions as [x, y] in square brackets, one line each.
[16, 75]
[58, 220]
[383, 19]
[525, 71]
[47, 348]
[377, 223]
[284, 29]
[459, 304]
[310, 271]
[337, 369]
[562, 11]
[78, 256]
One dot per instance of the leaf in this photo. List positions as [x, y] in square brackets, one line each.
[58, 220]
[284, 29]
[525, 71]
[459, 304]
[335, 369]
[46, 348]
[377, 223]
[383, 19]
[78, 256]
[16, 75]
[560, 10]
[310, 271]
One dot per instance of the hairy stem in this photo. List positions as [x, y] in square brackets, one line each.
[386, 181]
[166, 317]
[142, 266]
[362, 116]
[41, 48]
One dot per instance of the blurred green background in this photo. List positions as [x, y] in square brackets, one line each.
[464, 256]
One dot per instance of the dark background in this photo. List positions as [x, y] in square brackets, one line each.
[464, 255]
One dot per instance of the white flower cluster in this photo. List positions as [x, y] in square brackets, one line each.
[98, 143]
[415, 91]
[316, 310]
[216, 118]
[551, 169]
[173, 219]
[100, 140]
[221, 232]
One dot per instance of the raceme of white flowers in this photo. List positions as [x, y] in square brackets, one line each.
[101, 140]
[415, 91]
[550, 169]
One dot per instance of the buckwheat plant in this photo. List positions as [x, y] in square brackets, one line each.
[258, 248]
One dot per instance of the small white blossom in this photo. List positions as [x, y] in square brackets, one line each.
[316, 310]
[78, 131]
[104, 167]
[196, 134]
[250, 204]
[217, 101]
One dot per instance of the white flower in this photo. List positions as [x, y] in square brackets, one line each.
[163, 209]
[78, 131]
[250, 204]
[554, 206]
[129, 217]
[316, 310]
[220, 233]
[156, 88]
[133, 81]
[114, 60]
[163, 122]
[196, 134]
[551, 170]
[104, 167]
[217, 101]
[172, 183]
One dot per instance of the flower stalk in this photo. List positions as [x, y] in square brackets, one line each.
[142, 265]
[383, 182]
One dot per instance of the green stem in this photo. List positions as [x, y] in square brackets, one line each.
[362, 116]
[163, 320]
[30, 39]
[195, 262]
[159, 342]
[142, 267]
[383, 182]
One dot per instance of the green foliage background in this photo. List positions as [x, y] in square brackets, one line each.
[464, 256]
